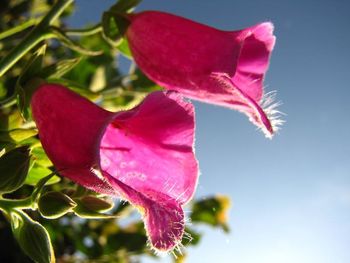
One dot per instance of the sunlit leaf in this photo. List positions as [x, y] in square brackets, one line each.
[37, 172]
[53, 205]
[123, 47]
[32, 238]
[98, 81]
[11, 121]
[33, 67]
[17, 135]
[41, 157]
[60, 68]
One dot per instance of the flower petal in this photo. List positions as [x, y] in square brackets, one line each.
[163, 216]
[253, 61]
[183, 55]
[151, 147]
[69, 127]
[239, 100]
[145, 155]
[178, 53]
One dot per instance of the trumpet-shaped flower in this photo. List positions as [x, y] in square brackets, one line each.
[220, 67]
[144, 155]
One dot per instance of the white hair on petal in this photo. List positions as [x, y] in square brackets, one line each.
[269, 105]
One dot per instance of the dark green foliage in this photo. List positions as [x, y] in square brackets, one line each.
[28, 81]
[212, 211]
[53, 205]
[14, 167]
[124, 6]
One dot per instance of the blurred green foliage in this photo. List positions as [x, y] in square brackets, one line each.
[39, 208]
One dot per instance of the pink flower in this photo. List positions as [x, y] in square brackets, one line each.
[144, 155]
[206, 64]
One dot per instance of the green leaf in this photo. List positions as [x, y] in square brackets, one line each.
[40, 186]
[14, 167]
[123, 47]
[94, 203]
[38, 172]
[53, 205]
[32, 238]
[28, 82]
[60, 68]
[212, 211]
[3, 91]
[66, 41]
[12, 121]
[114, 26]
[17, 135]
[24, 96]
[124, 6]
[33, 68]
[41, 157]
[190, 237]
[84, 212]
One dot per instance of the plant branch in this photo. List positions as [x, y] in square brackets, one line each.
[8, 204]
[84, 32]
[39, 33]
[18, 28]
[8, 102]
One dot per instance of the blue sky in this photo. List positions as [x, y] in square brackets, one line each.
[291, 195]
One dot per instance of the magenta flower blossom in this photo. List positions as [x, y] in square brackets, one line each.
[206, 64]
[144, 155]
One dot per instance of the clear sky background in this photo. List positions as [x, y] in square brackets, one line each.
[291, 195]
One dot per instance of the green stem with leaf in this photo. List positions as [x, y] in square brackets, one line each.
[84, 32]
[18, 28]
[9, 204]
[30, 202]
[38, 34]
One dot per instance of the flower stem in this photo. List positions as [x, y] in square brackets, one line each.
[84, 32]
[18, 28]
[39, 33]
[8, 204]
[8, 102]
[28, 202]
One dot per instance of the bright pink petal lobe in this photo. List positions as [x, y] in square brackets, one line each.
[151, 147]
[69, 129]
[182, 55]
[257, 44]
[145, 155]
[163, 216]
